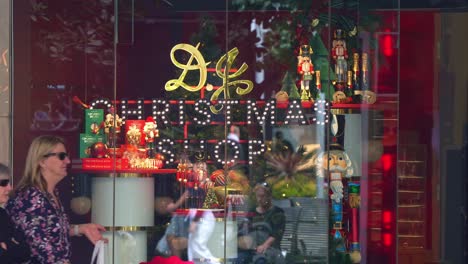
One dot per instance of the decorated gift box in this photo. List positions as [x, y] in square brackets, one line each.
[86, 141]
[134, 134]
[93, 121]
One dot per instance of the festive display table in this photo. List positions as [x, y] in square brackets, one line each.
[124, 204]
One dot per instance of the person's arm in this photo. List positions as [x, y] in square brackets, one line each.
[17, 250]
[3, 228]
[13, 248]
[92, 231]
[263, 247]
[277, 220]
[171, 207]
[3, 237]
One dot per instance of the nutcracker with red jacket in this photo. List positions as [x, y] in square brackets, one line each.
[305, 68]
[340, 55]
[151, 132]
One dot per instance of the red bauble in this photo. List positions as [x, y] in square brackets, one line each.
[215, 175]
[159, 156]
[218, 178]
[99, 150]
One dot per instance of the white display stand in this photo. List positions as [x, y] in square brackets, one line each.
[124, 204]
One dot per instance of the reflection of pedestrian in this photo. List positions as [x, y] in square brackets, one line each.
[201, 228]
[36, 208]
[265, 230]
[234, 136]
[280, 144]
[174, 240]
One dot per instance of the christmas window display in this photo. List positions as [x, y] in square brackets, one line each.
[140, 149]
[136, 137]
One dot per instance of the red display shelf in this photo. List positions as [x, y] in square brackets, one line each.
[141, 171]
[109, 166]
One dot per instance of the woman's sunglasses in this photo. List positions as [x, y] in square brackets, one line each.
[4, 182]
[60, 155]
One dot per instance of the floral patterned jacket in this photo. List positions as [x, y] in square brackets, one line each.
[44, 224]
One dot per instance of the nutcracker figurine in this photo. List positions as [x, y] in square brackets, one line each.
[306, 69]
[151, 132]
[112, 126]
[340, 55]
[336, 165]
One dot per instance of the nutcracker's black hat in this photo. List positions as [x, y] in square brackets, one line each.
[335, 146]
[305, 51]
[339, 34]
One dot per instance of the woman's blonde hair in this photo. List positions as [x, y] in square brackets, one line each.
[39, 147]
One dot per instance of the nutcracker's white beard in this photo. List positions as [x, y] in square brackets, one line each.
[321, 170]
[336, 168]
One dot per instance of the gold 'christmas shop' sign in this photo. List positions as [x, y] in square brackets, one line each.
[293, 112]
[169, 113]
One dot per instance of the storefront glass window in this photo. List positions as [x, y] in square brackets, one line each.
[228, 131]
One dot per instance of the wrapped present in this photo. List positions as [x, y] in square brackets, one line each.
[93, 121]
[134, 134]
[86, 141]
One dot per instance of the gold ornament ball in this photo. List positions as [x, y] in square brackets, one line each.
[282, 96]
[209, 87]
[80, 205]
[355, 257]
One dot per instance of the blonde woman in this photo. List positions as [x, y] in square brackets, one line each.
[36, 208]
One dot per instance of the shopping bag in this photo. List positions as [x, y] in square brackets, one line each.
[98, 253]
